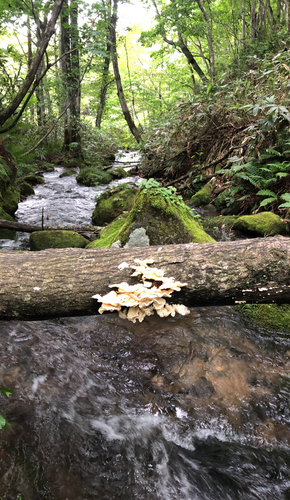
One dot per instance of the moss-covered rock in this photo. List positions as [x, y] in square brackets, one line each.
[68, 172]
[25, 189]
[262, 224]
[113, 202]
[167, 220]
[203, 197]
[118, 172]
[276, 317]
[33, 179]
[40, 240]
[90, 176]
[109, 234]
[219, 227]
[6, 234]
[11, 199]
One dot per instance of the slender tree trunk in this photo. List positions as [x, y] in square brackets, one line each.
[54, 283]
[278, 12]
[65, 68]
[253, 20]
[29, 60]
[190, 59]
[39, 92]
[104, 87]
[28, 80]
[123, 103]
[243, 23]
[209, 40]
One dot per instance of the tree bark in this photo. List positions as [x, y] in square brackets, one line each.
[104, 87]
[122, 100]
[52, 283]
[27, 228]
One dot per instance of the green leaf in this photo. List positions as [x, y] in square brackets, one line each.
[281, 174]
[6, 391]
[285, 205]
[286, 197]
[266, 201]
[267, 192]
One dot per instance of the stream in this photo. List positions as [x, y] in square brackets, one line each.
[184, 408]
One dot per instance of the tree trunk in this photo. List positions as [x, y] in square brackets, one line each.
[51, 283]
[209, 40]
[24, 88]
[27, 228]
[123, 103]
[104, 87]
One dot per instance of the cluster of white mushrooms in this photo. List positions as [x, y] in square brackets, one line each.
[137, 301]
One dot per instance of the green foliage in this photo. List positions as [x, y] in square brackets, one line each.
[169, 193]
[3, 421]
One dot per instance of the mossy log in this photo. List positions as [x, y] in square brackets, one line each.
[61, 282]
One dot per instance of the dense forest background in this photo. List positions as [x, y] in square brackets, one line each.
[203, 93]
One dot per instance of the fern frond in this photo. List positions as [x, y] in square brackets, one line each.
[266, 192]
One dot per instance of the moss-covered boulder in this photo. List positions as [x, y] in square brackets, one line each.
[219, 227]
[25, 189]
[166, 219]
[109, 234]
[40, 240]
[203, 197]
[113, 202]
[33, 179]
[7, 176]
[262, 224]
[90, 176]
[11, 199]
[274, 316]
[6, 234]
[118, 172]
[68, 173]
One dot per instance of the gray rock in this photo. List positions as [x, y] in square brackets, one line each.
[138, 238]
[117, 244]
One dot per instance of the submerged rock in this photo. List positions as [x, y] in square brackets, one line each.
[33, 179]
[40, 240]
[262, 224]
[113, 202]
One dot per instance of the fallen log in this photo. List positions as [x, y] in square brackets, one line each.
[27, 228]
[61, 282]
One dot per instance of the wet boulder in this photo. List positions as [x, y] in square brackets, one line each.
[68, 173]
[118, 172]
[93, 176]
[33, 179]
[113, 202]
[40, 240]
[262, 224]
[11, 199]
[25, 190]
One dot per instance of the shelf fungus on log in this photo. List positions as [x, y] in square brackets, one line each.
[135, 302]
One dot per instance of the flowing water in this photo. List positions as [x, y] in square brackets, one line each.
[193, 408]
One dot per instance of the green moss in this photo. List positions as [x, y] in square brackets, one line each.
[26, 189]
[203, 196]
[68, 172]
[6, 234]
[113, 202]
[118, 172]
[40, 240]
[263, 224]
[6, 176]
[10, 199]
[92, 176]
[33, 179]
[109, 234]
[166, 221]
[217, 226]
[276, 317]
